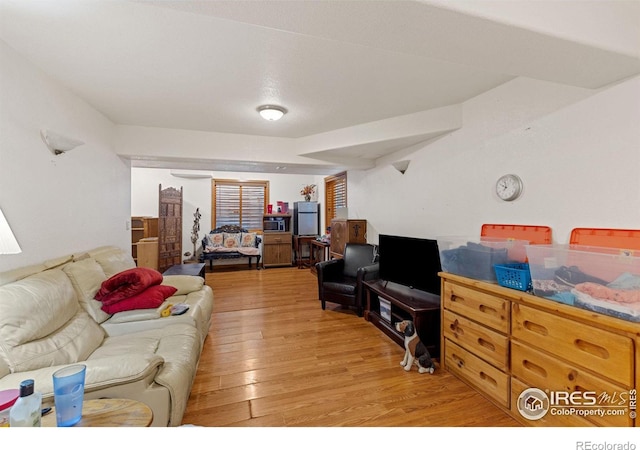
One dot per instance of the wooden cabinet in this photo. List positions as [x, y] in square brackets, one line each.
[504, 342]
[345, 231]
[148, 253]
[142, 227]
[277, 248]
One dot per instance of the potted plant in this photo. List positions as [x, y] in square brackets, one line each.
[307, 191]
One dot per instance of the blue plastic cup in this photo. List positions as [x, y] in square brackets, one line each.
[68, 394]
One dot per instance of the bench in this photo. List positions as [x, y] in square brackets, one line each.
[231, 242]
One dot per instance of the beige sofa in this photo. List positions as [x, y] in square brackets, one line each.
[49, 319]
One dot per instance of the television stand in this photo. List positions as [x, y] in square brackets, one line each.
[405, 303]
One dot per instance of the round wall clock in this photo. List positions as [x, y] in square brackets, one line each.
[509, 187]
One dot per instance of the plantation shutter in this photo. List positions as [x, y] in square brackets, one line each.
[239, 203]
[335, 195]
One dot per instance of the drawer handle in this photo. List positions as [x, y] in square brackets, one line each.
[486, 377]
[488, 309]
[535, 328]
[592, 349]
[454, 297]
[538, 370]
[455, 327]
[486, 344]
[459, 361]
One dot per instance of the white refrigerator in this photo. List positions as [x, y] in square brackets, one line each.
[306, 218]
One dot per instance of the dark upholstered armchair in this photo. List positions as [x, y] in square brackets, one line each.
[340, 280]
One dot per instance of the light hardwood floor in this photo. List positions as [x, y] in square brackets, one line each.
[274, 358]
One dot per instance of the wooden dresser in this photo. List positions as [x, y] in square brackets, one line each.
[502, 342]
[344, 231]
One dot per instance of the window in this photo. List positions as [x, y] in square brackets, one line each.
[335, 195]
[236, 202]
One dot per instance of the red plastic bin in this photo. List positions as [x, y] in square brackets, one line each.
[535, 234]
[606, 237]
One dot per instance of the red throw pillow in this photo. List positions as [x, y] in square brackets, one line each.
[126, 284]
[151, 297]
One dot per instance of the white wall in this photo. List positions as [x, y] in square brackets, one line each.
[196, 193]
[579, 162]
[577, 151]
[56, 205]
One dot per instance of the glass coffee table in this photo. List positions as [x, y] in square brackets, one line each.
[108, 412]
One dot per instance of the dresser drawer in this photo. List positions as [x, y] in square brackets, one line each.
[483, 308]
[605, 353]
[547, 373]
[489, 345]
[277, 238]
[477, 372]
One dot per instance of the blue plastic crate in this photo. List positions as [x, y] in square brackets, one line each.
[514, 276]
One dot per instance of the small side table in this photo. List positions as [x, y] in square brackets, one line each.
[300, 242]
[319, 253]
[108, 412]
[195, 269]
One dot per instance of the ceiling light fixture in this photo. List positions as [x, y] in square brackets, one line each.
[271, 112]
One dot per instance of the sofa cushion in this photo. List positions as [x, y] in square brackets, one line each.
[112, 259]
[232, 240]
[152, 297]
[86, 276]
[248, 240]
[20, 273]
[184, 284]
[127, 284]
[42, 323]
[57, 262]
[214, 240]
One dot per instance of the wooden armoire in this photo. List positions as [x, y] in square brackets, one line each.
[345, 231]
[169, 227]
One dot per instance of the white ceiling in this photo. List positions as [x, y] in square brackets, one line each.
[207, 65]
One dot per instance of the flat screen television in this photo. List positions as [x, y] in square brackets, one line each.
[412, 262]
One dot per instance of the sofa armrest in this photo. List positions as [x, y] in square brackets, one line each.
[101, 373]
[366, 273]
[4, 368]
[330, 270]
[370, 272]
[185, 284]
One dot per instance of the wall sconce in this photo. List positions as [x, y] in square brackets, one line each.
[57, 143]
[401, 166]
[8, 242]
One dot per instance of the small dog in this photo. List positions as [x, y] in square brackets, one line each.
[415, 351]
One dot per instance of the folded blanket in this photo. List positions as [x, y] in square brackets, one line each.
[151, 297]
[608, 294]
[127, 284]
